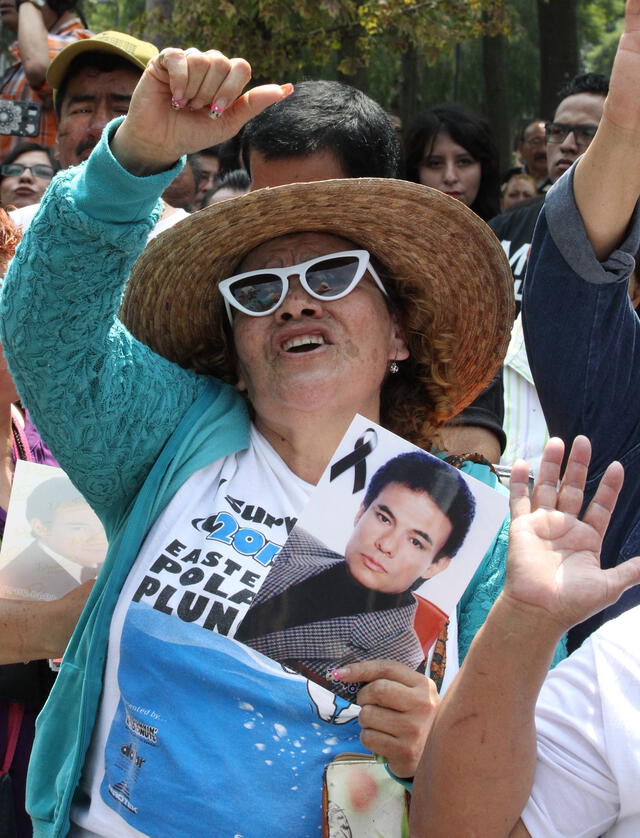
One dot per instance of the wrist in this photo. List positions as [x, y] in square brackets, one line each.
[39, 4]
[524, 620]
[137, 158]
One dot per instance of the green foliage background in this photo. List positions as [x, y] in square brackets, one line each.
[379, 45]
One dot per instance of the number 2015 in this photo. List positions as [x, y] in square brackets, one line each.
[246, 541]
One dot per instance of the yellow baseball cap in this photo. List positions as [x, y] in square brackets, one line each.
[137, 52]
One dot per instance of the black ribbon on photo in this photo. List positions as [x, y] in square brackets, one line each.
[356, 460]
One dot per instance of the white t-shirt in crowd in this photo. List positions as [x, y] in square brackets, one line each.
[587, 781]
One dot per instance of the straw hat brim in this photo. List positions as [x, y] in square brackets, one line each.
[172, 304]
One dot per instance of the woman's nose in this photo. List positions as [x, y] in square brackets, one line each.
[298, 303]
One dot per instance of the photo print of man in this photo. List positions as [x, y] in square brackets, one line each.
[68, 546]
[318, 609]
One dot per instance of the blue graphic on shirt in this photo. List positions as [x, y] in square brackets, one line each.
[221, 741]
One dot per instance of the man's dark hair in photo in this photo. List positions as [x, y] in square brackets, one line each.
[446, 487]
[327, 116]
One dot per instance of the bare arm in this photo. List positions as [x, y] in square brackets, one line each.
[477, 770]
[39, 630]
[470, 439]
[607, 178]
[33, 44]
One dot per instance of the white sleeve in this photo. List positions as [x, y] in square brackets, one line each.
[573, 794]
[588, 766]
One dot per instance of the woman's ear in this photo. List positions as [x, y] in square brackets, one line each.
[399, 351]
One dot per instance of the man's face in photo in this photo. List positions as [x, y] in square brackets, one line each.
[75, 533]
[396, 539]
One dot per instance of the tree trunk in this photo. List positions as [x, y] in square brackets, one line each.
[559, 58]
[359, 76]
[158, 19]
[410, 92]
[495, 93]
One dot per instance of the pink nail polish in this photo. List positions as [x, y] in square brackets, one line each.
[215, 112]
[177, 104]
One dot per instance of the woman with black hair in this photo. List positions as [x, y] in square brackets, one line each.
[452, 149]
[25, 174]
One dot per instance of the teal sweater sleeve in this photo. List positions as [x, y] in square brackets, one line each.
[104, 402]
[488, 579]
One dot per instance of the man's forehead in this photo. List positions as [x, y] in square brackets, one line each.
[535, 127]
[580, 109]
[319, 165]
[91, 81]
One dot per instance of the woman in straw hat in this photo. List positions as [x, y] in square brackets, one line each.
[248, 338]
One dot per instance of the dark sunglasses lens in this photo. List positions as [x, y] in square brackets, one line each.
[257, 293]
[331, 277]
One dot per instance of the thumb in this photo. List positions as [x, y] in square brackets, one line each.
[623, 576]
[253, 102]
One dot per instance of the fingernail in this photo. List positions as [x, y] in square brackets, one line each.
[177, 104]
[338, 674]
[217, 108]
[287, 88]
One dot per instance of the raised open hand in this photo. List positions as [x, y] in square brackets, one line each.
[622, 107]
[185, 101]
[554, 555]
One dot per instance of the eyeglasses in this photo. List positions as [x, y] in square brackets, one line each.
[535, 142]
[329, 277]
[557, 132]
[17, 169]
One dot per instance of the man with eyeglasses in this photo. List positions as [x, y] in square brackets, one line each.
[532, 151]
[567, 136]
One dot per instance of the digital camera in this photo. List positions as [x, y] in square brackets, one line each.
[19, 117]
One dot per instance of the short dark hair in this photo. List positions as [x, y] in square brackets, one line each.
[327, 116]
[103, 62]
[23, 148]
[237, 179]
[448, 489]
[596, 83]
[48, 497]
[468, 130]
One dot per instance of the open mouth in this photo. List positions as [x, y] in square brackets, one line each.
[304, 343]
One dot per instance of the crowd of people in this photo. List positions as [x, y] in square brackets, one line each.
[204, 285]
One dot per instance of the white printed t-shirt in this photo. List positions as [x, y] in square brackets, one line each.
[198, 734]
[587, 780]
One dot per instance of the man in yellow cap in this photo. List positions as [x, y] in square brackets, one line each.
[92, 82]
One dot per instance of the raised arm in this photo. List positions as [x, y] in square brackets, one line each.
[607, 178]
[104, 402]
[477, 769]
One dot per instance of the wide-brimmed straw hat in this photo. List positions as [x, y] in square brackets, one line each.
[429, 245]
